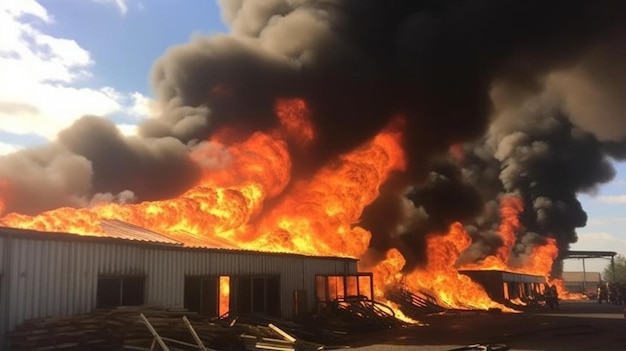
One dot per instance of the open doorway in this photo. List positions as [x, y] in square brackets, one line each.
[207, 295]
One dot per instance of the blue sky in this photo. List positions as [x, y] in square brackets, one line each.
[61, 59]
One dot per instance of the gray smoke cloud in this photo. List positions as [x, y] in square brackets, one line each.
[530, 80]
[92, 162]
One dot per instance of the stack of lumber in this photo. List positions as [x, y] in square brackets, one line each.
[414, 304]
[125, 328]
[152, 328]
[103, 329]
[358, 314]
[84, 332]
[272, 337]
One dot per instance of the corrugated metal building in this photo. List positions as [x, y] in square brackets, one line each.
[55, 274]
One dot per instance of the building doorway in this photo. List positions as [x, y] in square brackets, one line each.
[259, 295]
[207, 295]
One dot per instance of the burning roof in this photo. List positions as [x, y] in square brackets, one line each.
[373, 129]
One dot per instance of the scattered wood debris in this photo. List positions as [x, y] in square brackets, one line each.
[151, 328]
[414, 304]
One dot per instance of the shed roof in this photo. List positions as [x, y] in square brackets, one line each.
[122, 230]
[504, 276]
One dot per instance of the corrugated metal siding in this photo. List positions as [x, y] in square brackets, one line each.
[2, 249]
[45, 278]
[49, 278]
[166, 271]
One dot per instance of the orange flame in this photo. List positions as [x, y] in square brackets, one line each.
[295, 119]
[224, 295]
[564, 294]
[223, 201]
[539, 261]
[510, 207]
[314, 216]
[456, 150]
[440, 278]
[4, 191]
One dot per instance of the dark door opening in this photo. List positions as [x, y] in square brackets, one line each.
[206, 295]
[259, 295]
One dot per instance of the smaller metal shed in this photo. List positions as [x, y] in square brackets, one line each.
[503, 286]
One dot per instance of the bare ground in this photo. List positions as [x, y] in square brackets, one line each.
[579, 325]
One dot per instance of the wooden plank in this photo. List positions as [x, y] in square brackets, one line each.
[194, 334]
[154, 333]
[271, 346]
[282, 333]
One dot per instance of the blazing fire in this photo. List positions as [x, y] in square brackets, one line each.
[539, 262]
[315, 216]
[564, 294]
[3, 194]
[224, 295]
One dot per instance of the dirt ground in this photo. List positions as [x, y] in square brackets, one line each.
[578, 325]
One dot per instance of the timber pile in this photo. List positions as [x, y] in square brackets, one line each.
[358, 314]
[312, 328]
[273, 338]
[414, 305]
[125, 328]
[151, 328]
[102, 329]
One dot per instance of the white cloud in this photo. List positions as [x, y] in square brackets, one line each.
[42, 85]
[26, 7]
[122, 5]
[612, 199]
[141, 106]
[7, 148]
[127, 129]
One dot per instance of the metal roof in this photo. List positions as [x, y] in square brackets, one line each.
[589, 254]
[122, 230]
[194, 241]
[164, 242]
[504, 275]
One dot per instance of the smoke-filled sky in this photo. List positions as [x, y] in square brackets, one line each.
[62, 60]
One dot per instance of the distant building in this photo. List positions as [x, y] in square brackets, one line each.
[581, 282]
[46, 274]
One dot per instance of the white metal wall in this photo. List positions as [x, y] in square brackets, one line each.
[1, 255]
[166, 269]
[46, 278]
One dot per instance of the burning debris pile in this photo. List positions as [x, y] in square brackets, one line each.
[421, 136]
